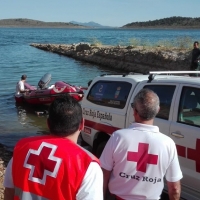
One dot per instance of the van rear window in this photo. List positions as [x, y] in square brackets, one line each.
[110, 93]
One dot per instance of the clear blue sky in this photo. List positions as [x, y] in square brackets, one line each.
[104, 12]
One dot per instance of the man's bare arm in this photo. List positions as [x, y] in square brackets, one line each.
[174, 190]
[106, 177]
[9, 193]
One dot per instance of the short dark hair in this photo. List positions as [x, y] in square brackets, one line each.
[146, 103]
[23, 77]
[196, 42]
[65, 116]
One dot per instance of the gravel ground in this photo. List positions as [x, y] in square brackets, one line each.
[5, 156]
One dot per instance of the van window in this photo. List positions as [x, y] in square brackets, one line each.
[110, 93]
[165, 94]
[189, 107]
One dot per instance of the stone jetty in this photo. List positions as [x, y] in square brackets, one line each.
[126, 58]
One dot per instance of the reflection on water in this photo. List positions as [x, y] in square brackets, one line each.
[29, 115]
[21, 121]
[22, 115]
[33, 116]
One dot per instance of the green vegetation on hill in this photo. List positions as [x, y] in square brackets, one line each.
[171, 22]
[20, 22]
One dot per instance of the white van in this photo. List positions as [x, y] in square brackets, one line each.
[107, 108]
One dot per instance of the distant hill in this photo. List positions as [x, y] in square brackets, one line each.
[21, 22]
[171, 22]
[90, 24]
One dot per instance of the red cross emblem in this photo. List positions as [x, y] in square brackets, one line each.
[42, 162]
[193, 154]
[59, 89]
[142, 157]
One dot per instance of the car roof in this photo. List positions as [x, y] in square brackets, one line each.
[156, 78]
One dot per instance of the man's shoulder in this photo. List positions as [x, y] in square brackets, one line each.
[134, 132]
[20, 83]
[29, 139]
[122, 131]
[196, 50]
[166, 139]
[88, 154]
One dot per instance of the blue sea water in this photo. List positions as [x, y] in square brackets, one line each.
[17, 57]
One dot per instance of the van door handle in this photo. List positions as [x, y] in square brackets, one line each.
[178, 135]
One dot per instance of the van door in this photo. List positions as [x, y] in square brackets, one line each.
[185, 131]
[105, 107]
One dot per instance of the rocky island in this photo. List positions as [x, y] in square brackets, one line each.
[124, 58]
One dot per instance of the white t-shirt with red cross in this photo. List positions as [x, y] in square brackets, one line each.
[139, 157]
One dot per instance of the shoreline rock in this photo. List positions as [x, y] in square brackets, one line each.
[125, 58]
[5, 156]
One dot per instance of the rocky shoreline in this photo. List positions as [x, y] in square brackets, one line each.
[125, 58]
[5, 156]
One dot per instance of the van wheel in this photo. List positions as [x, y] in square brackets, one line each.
[100, 148]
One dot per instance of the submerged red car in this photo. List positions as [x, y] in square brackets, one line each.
[43, 95]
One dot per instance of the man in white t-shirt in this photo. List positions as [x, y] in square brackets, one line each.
[136, 159]
[20, 86]
[54, 166]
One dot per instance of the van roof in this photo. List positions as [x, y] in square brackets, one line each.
[156, 78]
